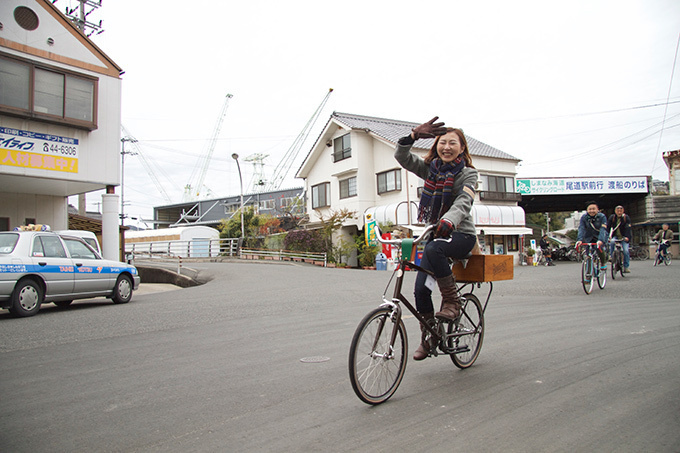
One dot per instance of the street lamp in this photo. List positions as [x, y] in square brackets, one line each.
[240, 177]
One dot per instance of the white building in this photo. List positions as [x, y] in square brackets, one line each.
[352, 166]
[60, 108]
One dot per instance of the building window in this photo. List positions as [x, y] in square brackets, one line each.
[498, 183]
[341, 148]
[321, 195]
[48, 94]
[389, 181]
[267, 204]
[496, 188]
[231, 208]
[4, 223]
[513, 243]
[348, 187]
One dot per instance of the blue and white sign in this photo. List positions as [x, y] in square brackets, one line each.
[585, 185]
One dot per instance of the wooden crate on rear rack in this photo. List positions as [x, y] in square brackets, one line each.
[485, 268]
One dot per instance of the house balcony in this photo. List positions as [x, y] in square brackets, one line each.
[500, 196]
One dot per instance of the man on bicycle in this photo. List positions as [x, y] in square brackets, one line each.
[664, 236]
[593, 228]
[620, 228]
[545, 250]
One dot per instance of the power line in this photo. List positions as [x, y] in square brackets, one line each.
[668, 96]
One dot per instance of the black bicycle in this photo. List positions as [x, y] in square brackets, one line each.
[617, 258]
[379, 348]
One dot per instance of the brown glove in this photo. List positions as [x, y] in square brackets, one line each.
[429, 129]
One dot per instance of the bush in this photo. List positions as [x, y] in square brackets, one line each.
[305, 241]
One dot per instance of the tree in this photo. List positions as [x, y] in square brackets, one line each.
[333, 223]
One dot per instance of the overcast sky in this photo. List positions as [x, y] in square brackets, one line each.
[578, 87]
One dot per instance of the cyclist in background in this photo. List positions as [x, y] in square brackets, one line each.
[593, 228]
[619, 226]
[664, 236]
[545, 250]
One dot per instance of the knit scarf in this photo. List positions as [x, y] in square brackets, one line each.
[438, 196]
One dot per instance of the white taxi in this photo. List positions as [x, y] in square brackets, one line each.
[43, 266]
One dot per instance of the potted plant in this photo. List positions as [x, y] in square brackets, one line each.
[530, 256]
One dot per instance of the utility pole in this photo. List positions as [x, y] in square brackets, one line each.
[122, 176]
[78, 15]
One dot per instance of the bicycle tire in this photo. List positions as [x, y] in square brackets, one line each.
[601, 276]
[587, 274]
[657, 259]
[642, 254]
[375, 374]
[615, 263]
[668, 259]
[470, 327]
[622, 269]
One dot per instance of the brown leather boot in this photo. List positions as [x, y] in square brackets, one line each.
[423, 349]
[450, 299]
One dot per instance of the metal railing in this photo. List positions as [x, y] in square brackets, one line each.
[197, 248]
[284, 255]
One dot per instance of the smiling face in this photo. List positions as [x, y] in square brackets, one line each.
[592, 210]
[619, 211]
[449, 147]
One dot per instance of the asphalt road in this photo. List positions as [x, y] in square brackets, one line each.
[256, 360]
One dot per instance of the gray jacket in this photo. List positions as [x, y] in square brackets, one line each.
[459, 214]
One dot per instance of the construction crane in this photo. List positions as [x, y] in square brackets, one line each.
[282, 169]
[145, 162]
[193, 190]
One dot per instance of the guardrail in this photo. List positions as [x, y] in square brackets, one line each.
[197, 248]
[284, 255]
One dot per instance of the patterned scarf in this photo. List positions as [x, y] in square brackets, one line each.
[437, 196]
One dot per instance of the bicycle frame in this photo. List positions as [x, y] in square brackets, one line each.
[398, 297]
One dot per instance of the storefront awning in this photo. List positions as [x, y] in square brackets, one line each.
[492, 219]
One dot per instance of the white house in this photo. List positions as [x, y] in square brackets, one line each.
[60, 108]
[352, 166]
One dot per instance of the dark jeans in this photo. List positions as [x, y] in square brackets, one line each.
[435, 259]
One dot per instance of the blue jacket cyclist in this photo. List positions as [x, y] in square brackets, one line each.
[593, 229]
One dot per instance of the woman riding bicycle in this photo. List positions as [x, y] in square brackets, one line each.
[448, 194]
[593, 228]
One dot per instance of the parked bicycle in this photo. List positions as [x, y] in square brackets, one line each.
[659, 257]
[379, 348]
[617, 258]
[639, 252]
[591, 268]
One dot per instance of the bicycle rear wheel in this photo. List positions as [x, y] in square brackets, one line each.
[465, 335]
[375, 368]
[587, 274]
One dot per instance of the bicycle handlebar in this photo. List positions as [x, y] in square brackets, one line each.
[398, 241]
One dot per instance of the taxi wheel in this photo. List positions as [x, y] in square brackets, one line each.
[26, 299]
[122, 292]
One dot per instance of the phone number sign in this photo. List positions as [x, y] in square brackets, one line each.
[571, 186]
[38, 151]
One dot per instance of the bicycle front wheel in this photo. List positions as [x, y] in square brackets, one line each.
[587, 274]
[601, 274]
[615, 263]
[464, 336]
[376, 368]
[668, 259]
